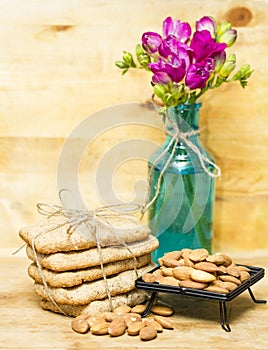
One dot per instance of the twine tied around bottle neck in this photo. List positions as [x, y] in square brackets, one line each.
[88, 217]
[175, 137]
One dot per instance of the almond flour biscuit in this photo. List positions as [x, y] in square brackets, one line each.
[85, 293]
[52, 233]
[132, 298]
[74, 278]
[75, 260]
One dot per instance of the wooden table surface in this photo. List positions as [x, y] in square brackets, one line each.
[24, 325]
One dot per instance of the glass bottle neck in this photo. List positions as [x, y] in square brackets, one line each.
[185, 117]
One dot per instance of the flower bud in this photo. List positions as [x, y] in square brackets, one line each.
[228, 66]
[159, 91]
[243, 73]
[128, 59]
[168, 100]
[223, 27]
[219, 60]
[177, 91]
[120, 64]
[229, 37]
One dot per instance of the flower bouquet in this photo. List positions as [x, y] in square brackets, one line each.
[184, 65]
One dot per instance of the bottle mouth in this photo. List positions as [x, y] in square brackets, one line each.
[189, 106]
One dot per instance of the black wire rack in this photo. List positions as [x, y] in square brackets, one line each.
[256, 273]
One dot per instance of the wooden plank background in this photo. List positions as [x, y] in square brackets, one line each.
[57, 69]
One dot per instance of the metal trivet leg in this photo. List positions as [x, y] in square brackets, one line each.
[224, 317]
[254, 299]
[150, 304]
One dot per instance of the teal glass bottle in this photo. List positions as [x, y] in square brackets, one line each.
[182, 214]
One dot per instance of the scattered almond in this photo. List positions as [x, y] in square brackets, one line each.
[121, 310]
[162, 310]
[131, 317]
[80, 324]
[100, 328]
[154, 323]
[117, 327]
[165, 323]
[135, 327]
[148, 333]
[139, 309]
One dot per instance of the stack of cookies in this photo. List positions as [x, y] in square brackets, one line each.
[73, 276]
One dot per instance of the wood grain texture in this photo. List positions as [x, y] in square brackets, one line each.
[24, 325]
[57, 69]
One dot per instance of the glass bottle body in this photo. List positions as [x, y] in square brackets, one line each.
[182, 214]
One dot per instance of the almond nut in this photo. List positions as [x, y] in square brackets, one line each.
[233, 271]
[192, 284]
[216, 289]
[154, 323]
[148, 278]
[175, 254]
[169, 281]
[117, 327]
[80, 324]
[100, 328]
[206, 266]
[228, 278]
[162, 310]
[182, 272]
[229, 285]
[198, 254]
[167, 271]
[131, 317]
[244, 275]
[202, 276]
[216, 259]
[139, 309]
[135, 327]
[169, 262]
[165, 323]
[227, 260]
[121, 310]
[148, 333]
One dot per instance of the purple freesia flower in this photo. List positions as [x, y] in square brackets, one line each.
[161, 78]
[151, 41]
[171, 47]
[175, 69]
[205, 46]
[206, 23]
[181, 31]
[197, 76]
